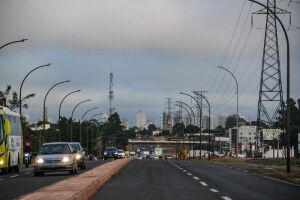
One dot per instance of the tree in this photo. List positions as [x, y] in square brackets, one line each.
[178, 129]
[151, 128]
[192, 129]
[15, 101]
[231, 121]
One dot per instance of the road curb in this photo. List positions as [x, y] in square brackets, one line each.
[79, 187]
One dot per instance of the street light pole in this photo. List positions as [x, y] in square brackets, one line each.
[199, 120]
[82, 119]
[187, 105]
[44, 110]
[72, 116]
[20, 92]
[59, 137]
[237, 107]
[288, 92]
[23, 40]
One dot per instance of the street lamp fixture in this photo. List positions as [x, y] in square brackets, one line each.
[82, 119]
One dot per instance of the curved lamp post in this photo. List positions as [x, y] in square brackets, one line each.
[60, 108]
[237, 94]
[23, 40]
[44, 108]
[288, 92]
[20, 92]
[187, 105]
[72, 116]
[82, 119]
[237, 106]
[200, 125]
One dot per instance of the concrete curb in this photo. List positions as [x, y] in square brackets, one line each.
[79, 187]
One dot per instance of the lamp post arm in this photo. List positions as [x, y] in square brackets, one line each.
[20, 92]
[185, 110]
[23, 40]
[64, 100]
[87, 112]
[189, 108]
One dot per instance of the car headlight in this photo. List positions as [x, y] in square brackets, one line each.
[1, 162]
[40, 160]
[105, 153]
[78, 156]
[65, 159]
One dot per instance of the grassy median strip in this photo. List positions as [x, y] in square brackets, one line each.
[275, 168]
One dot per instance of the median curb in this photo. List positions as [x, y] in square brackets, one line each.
[80, 187]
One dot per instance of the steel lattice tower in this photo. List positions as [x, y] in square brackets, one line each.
[111, 93]
[270, 100]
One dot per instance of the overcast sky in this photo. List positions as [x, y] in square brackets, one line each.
[154, 48]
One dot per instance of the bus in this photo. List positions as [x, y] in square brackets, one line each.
[11, 140]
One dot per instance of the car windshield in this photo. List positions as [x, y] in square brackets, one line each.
[75, 147]
[55, 149]
[120, 151]
[1, 129]
[110, 149]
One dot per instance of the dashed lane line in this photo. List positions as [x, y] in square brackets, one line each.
[226, 198]
[213, 190]
[189, 174]
[13, 176]
[204, 184]
[196, 178]
[184, 170]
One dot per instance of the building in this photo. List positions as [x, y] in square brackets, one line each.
[242, 137]
[167, 122]
[125, 123]
[140, 119]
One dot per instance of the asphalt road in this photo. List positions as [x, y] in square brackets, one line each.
[159, 179]
[13, 185]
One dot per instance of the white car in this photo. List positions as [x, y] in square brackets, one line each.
[56, 156]
[121, 153]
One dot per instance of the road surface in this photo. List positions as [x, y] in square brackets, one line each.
[13, 185]
[160, 179]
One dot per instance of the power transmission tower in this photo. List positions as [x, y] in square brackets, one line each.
[270, 100]
[111, 93]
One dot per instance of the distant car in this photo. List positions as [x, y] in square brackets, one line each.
[56, 156]
[110, 152]
[121, 153]
[80, 156]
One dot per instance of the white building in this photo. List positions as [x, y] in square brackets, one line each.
[243, 136]
[140, 119]
[125, 123]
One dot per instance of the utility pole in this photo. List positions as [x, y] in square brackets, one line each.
[199, 97]
[270, 101]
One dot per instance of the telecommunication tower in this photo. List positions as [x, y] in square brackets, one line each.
[111, 93]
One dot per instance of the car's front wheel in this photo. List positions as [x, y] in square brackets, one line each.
[74, 170]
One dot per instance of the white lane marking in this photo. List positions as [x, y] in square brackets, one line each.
[1, 179]
[196, 178]
[14, 176]
[28, 172]
[274, 179]
[180, 168]
[184, 170]
[203, 183]
[213, 190]
[189, 174]
[226, 198]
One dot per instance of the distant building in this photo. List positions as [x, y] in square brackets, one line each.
[140, 119]
[215, 121]
[243, 136]
[125, 123]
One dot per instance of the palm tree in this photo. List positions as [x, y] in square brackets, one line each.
[15, 101]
